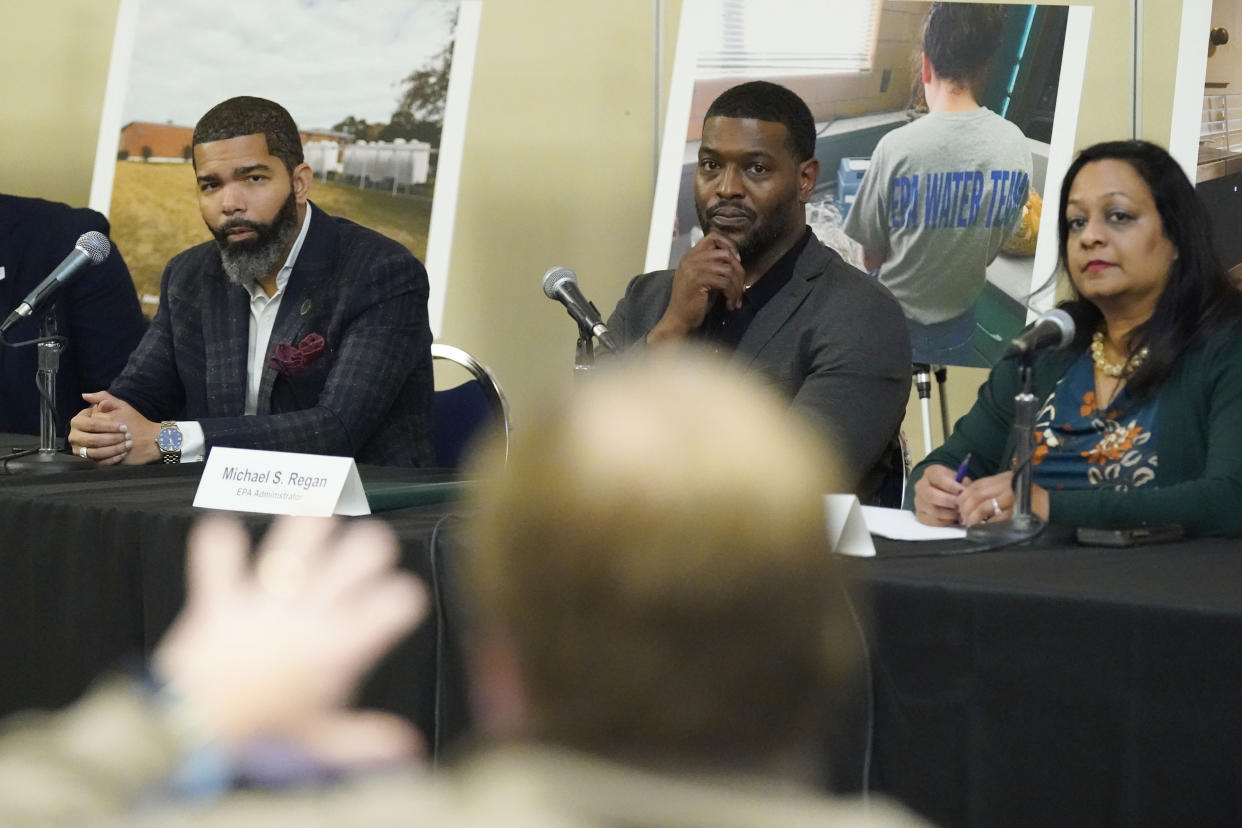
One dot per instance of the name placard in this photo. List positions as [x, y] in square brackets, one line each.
[847, 530]
[281, 483]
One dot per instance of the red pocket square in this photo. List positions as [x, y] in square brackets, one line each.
[292, 360]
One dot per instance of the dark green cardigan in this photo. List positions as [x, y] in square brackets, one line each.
[1198, 438]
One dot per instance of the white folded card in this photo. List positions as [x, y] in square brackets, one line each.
[281, 483]
[847, 531]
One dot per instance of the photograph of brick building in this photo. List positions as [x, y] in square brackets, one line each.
[155, 142]
[146, 141]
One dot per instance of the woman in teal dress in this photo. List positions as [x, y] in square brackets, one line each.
[1141, 418]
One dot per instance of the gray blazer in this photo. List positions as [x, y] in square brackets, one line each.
[367, 395]
[833, 340]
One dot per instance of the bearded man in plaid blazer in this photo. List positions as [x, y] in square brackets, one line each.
[292, 330]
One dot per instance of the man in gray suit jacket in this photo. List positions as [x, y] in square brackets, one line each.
[291, 331]
[761, 286]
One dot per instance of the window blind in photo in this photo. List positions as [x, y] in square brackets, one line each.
[764, 38]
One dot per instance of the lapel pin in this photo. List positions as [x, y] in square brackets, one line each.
[305, 309]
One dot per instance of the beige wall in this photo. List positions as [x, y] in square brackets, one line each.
[558, 169]
[53, 69]
[559, 158]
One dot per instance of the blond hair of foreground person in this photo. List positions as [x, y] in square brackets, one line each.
[654, 626]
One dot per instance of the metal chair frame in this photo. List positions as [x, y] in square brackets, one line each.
[485, 378]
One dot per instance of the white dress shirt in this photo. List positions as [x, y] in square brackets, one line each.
[263, 310]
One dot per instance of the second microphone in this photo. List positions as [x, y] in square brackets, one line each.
[561, 284]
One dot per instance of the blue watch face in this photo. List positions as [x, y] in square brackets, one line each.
[169, 439]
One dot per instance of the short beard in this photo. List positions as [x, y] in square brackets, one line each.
[760, 239]
[255, 259]
[764, 232]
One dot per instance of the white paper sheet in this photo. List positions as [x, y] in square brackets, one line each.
[898, 524]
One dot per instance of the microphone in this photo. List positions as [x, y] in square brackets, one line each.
[92, 248]
[1055, 330]
[561, 284]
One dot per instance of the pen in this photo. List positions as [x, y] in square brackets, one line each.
[962, 469]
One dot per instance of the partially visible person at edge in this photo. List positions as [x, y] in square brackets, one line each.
[760, 287]
[1141, 418]
[98, 313]
[654, 622]
[929, 239]
[291, 330]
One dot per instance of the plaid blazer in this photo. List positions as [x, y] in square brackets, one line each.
[367, 395]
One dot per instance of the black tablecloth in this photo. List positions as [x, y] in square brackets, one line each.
[1059, 684]
[92, 572]
[1053, 685]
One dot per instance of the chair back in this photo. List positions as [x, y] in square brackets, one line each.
[892, 489]
[460, 413]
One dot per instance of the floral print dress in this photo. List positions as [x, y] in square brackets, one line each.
[1078, 445]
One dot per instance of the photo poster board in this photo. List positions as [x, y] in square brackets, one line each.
[1035, 80]
[1190, 110]
[380, 91]
[1204, 135]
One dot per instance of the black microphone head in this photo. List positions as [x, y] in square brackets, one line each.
[1054, 330]
[556, 277]
[95, 245]
[1065, 323]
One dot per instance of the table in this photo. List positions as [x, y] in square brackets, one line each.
[1051, 685]
[92, 572]
[1059, 684]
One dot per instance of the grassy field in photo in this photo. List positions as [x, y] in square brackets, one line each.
[155, 216]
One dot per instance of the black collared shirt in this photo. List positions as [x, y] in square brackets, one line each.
[724, 328]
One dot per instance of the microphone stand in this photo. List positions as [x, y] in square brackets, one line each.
[584, 353]
[922, 382]
[47, 459]
[942, 379]
[1024, 524]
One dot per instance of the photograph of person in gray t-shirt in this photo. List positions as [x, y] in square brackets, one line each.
[943, 193]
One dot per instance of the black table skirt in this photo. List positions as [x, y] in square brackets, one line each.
[1052, 685]
[1059, 685]
[93, 567]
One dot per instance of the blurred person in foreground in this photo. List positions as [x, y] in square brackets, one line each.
[655, 632]
[98, 312]
[1141, 417]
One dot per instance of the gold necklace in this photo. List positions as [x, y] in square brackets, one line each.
[1114, 369]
